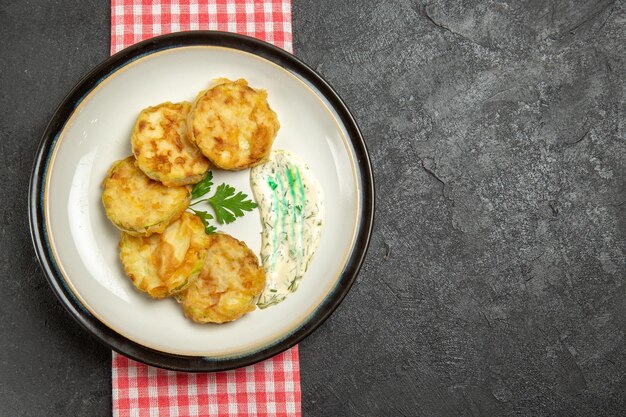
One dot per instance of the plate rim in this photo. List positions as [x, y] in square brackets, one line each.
[135, 350]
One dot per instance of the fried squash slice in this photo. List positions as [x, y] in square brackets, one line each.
[229, 284]
[233, 124]
[162, 148]
[138, 205]
[164, 264]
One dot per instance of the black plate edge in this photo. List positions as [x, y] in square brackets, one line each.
[139, 352]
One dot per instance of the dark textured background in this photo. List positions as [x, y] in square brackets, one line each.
[494, 284]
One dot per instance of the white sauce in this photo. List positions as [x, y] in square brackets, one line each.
[291, 204]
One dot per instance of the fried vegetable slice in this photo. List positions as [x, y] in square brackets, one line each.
[162, 148]
[138, 205]
[163, 264]
[229, 284]
[233, 124]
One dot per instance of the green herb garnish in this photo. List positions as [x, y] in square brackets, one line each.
[203, 186]
[227, 204]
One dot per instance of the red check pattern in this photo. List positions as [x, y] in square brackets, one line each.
[135, 20]
[269, 388]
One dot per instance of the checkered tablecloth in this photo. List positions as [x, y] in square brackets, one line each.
[135, 20]
[270, 388]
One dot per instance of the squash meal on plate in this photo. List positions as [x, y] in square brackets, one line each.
[168, 247]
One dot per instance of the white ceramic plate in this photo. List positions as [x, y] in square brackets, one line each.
[77, 245]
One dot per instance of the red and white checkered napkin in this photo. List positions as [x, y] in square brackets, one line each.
[269, 388]
[135, 20]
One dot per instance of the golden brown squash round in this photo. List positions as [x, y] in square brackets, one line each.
[138, 205]
[229, 284]
[162, 148]
[163, 264]
[233, 125]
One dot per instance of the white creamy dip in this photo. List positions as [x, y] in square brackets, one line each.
[291, 203]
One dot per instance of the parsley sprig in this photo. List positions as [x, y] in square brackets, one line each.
[228, 205]
[226, 202]
[203, 186]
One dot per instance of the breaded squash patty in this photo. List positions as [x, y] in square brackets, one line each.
[163, 264]
[232, 124]
[138, 205]
[229, 284]
[162, 148]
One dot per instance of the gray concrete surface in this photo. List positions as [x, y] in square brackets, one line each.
[494, 284]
